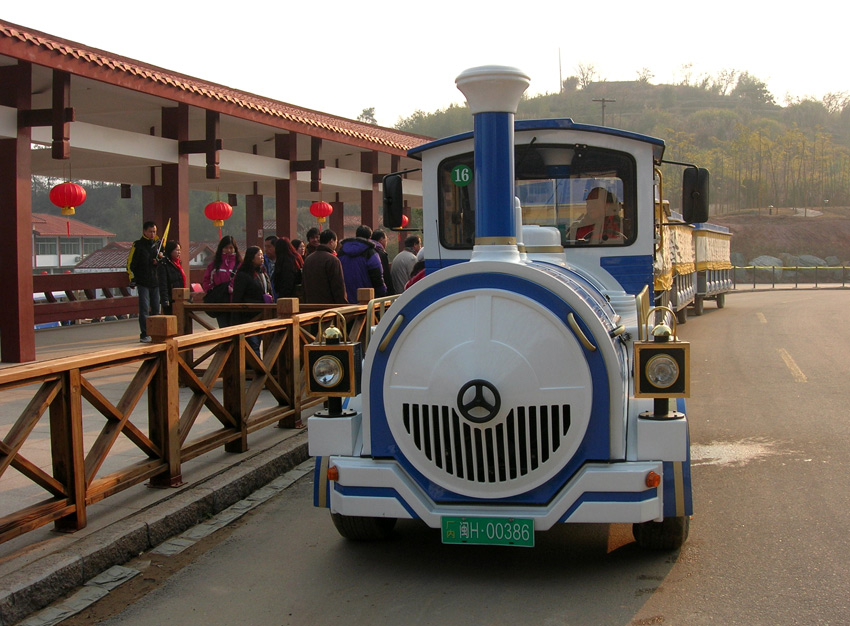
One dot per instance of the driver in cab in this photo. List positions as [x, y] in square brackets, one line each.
[601, 222]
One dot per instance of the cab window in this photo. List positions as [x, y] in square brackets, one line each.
[587, 193]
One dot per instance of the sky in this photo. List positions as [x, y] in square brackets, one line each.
[398, 57]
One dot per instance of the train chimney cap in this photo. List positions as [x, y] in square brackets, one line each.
[493, 88]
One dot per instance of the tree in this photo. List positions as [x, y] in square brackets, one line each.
[367, 116]
[687, 72]
[836, 101]
[645, 75]
[570, 83]
[752, 90]
[586, 74]
[724, 81]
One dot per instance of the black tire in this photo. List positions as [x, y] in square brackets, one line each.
[667, 535]
[363, 528]
[699, 305]
[682, 315]
[721, 300]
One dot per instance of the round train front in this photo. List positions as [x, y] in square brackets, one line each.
[496, 384]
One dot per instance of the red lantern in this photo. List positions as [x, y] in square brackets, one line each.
[218, 212]
[404, 221]
[321, 210]
[67, 196]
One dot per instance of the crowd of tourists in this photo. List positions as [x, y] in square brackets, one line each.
[318, 270]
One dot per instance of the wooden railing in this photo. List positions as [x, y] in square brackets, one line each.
[136, 392]
[86, 296]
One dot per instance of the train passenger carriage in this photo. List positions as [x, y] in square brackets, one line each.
[527, 380]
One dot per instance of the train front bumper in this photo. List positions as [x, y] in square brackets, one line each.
[597, 493]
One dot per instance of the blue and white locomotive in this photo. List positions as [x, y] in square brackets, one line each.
[526, 381]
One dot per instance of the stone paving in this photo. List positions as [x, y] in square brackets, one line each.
[42, 565]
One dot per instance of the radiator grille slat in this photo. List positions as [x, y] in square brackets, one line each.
[512, 448]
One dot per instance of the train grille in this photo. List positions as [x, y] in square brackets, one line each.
[487, 453]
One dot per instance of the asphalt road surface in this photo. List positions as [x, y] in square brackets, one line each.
[768, 542]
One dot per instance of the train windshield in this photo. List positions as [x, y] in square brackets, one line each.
[587, 193]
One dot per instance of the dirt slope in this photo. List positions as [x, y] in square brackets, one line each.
[822, 236]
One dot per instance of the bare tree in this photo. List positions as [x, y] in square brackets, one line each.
[645, 75]
[586, 74]
[687, 71]
[836, 101]
[724, 80]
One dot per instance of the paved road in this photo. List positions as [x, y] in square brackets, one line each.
[768, 541]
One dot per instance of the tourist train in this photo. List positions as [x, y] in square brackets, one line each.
[534, 377]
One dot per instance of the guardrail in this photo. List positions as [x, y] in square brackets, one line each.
[81, 293]
[155, 395]
[833, 275]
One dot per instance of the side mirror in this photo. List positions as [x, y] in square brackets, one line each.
[393, 201]
[695, 195]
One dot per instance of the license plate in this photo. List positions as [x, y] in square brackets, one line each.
[488, 531]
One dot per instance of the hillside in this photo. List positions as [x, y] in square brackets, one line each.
[822, 235]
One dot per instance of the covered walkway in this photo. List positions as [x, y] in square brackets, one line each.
[122, 121]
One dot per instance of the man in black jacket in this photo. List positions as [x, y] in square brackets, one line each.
[141, 267]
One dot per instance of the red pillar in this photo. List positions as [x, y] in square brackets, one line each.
[369, 200]
[17, 334]
[254, 220]
[152, 204]
[337, 219]
[286, 190]
[175, 178]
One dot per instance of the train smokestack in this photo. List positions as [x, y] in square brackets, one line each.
[493, 93]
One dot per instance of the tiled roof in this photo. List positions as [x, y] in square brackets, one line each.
[111, 256]
[45, 225]
[21, 42]
[114, 255]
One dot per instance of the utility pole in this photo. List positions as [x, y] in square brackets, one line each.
[560, 74]
[604, 101]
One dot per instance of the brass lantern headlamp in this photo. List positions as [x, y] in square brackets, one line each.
[333, 364]
[661, 360]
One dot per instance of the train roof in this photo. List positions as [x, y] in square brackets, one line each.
[561, 123]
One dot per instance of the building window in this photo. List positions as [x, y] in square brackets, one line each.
[70, 247]
[91, 244]
[45, 245]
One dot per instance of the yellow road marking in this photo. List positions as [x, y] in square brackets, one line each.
[761, 318]
[798, 374]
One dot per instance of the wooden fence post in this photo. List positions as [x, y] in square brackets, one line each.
[233, 381]
[365, 294]
[289, 363]
[66, 443]
[164, 401]
[179, 297]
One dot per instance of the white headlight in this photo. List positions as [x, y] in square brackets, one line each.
[662, 370]
[327, 371]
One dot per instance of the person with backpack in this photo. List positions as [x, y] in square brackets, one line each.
[361, 264]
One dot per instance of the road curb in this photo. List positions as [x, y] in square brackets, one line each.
[39, 584]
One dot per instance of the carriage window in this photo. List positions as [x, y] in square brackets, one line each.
[587, 193]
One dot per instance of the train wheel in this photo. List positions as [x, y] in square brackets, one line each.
[363, 528]
[667, 535]
[682, 315]
[699, 305]
[721, 300]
